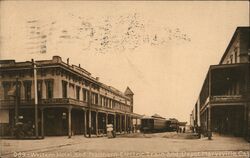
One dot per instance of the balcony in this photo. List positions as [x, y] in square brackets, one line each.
[53, 101]
[227, 99]
[58, 102]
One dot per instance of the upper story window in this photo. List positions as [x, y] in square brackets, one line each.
[236, 55]
[6, 86]
[101, 100]
[111, 104]
[39, 89]
[85, 95]
[64, 89]
[78, 92]
[27, 90]
[231, 59]
[49, 88]
[94, 98]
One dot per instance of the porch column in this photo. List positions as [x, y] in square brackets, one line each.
[85, 122]
[69, 123]
[135, 125]
[114, 128]
[120, 123]
[89, 124]
[209, 106]
[209, 123]
[131, 123]
[125, 122]
[96, 122]
[106, 119]
[245, 125]
[42, 124]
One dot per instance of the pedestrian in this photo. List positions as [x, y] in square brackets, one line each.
[184, 129]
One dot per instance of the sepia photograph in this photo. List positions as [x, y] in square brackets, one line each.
[124, 79]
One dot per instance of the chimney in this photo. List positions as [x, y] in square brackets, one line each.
[80, 65]
[97, 78]
[67, 61]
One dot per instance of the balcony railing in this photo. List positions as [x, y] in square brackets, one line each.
[227, 99]
[52, 101]
[57, 101]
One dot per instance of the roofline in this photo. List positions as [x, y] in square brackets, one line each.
[68, 67]
[232, 40]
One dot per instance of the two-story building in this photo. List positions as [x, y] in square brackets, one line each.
[57, 98]
[223, 104]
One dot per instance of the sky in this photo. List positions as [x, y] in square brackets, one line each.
[161, 50]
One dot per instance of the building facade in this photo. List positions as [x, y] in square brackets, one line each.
[223, 104]
[57, 98]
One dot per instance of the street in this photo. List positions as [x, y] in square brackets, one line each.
[131, 145]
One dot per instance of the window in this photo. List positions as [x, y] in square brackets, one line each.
[39, 89]
[235, 55]
[77, 92]
[94, 98]
[105, 102]
[6, 86]
[85, 95]
[64, 89]
[27, 90]
[49, 89]
[101, 100]
[111, 104]
[108, 102]
[231, 59]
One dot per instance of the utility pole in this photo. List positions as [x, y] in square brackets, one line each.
[16, 102]
[36, 100]
[89, 105]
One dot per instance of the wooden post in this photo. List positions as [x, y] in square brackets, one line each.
[125, 122]
[42, 124]
[136, 125]
[16, 102]
[120, 123]
[36, 99]
[89, 123]
[131, 121]
[89, 105]
[209, 123]
[85, 122]
[96, 122]
[106, 119]
[209, 106]
[245, 125]
[114, 128]
[69, 123]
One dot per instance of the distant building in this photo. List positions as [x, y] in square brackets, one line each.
[223, 104]
[70, 101]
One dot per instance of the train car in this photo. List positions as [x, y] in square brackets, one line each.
[173, 124]
[154, 123]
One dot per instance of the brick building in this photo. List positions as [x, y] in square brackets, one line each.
[69, 100]
[223, 104]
